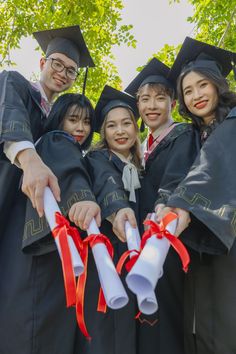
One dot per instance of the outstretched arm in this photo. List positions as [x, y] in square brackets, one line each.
[36, 176]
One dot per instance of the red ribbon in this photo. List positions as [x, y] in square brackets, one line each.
[130, 262]
[91, 241]
[159, 230]
[62, 230]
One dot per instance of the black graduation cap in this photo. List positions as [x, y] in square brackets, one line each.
[154, 72]
[68, 41]
[196, 54]
[111, 98]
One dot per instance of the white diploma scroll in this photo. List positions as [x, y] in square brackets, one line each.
[143, 277]
[113, 289]
[50, 208]
[147, 303]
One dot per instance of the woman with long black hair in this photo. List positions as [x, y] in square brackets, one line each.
[33, 309]
[206, 199]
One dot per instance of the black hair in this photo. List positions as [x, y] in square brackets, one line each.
[158, 87]
[226, 98]
[60, 108]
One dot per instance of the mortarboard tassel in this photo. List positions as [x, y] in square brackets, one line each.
[85, 80]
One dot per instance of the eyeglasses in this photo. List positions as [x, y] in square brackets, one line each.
[56, 65]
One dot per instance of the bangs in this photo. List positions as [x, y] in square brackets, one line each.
[160, 89]
[79, 112]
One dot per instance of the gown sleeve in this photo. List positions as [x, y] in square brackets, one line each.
[64, 157]
[208, 192]
[181, 156]
[15, 120]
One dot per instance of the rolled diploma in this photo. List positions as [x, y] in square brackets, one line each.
[143, 277]
[113, 289]
[147, 304]
[50, 208]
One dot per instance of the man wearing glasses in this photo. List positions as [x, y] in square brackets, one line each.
[24, 106]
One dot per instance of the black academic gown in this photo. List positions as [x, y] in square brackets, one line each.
[209, 194]
[115, 331]
[34, 317]
[167, 165]
[21, 118]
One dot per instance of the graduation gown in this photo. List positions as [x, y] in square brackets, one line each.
[115, 331]
[166, 166]
[59, 151]
[32, 298]
[208, 192]
[21, 118]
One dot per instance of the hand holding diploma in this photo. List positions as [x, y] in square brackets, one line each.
[36, 176]
[155, 244]
[183, 217]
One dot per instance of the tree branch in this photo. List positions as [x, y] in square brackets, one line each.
[221, 41]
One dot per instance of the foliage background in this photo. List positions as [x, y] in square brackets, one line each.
[100, 20]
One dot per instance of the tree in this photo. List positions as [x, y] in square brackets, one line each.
[215, 23]
[98, 20]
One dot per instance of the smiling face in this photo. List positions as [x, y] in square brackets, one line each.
[200, 96]
[77, 123]
[154, 106]
[120, 131]
[54, 82]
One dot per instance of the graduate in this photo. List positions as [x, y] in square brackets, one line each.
[32, 296]
[24, 107]
[114, 164]
[207, 197]
[74, 118]
[169, 151]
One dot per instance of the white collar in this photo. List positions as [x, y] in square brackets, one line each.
[130, 177]
[39, 87]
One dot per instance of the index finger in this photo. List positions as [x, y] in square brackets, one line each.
[119, 231]
[38, 197]
[132, 220]
[53, 184]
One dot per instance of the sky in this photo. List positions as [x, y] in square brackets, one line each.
[155, 23]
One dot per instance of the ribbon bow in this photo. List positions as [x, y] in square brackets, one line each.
[130, 180]
[91, 241]
[159, 230]
[62, 230]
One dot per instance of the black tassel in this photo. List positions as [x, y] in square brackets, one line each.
[85, 80]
